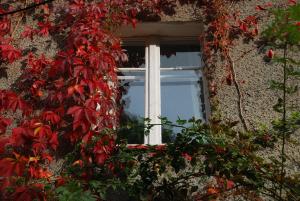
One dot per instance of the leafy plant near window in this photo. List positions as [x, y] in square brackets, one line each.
[283, 34]
[71, 97]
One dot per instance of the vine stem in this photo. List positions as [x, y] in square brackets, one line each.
[26, 8]
[18, 23]
[238, 90]
[283, 119]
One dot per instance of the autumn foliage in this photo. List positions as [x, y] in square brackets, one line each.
[70, 101]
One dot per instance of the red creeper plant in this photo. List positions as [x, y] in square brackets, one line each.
[71, 97]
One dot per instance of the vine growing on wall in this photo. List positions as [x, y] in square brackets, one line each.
[68, 104]
[71, 97]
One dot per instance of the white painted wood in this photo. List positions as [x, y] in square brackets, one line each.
[154, 98]
[131, 69]
[146, 137]
[131, 77]
[162, 69]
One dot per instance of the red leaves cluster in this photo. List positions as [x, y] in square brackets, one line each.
[4, 123]
[29, 193]
[11, 101]
[9, 53]
[248, 26]
[71, 96]
[103, 149]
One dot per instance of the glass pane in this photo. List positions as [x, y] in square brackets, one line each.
[180, 55]
[132, 86]
[136, 57]
[181, 97]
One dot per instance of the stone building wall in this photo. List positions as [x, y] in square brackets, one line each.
[252, 72]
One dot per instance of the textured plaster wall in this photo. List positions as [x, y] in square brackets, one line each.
[252, 72]
[253, 75]
[257, 98]
[39, 45]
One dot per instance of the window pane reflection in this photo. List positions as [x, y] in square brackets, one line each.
[136, 57]
[180, 97]
[181, 91]
[180, 55]
[132, 87]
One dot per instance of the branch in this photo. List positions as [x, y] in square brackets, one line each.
[26, 8]
[240, 109]
[244, 54]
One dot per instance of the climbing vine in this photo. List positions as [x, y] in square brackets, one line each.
[67, 104]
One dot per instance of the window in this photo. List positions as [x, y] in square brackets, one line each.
[162, 78]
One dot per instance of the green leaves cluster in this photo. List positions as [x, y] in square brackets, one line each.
[283, 35]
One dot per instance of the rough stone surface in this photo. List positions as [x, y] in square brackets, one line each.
[258, 99]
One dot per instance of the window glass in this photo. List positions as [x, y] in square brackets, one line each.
[180, 89]
[132, 89]
[180, 56]
[180, 97]
[136, 57]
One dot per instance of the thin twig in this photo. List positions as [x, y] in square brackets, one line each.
[238, 90]
[283, 119]
[26, 8]
[18, 23]
[244, 54]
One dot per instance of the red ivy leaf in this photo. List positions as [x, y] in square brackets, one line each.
[11, 166]
[29, 193]
[21, 136]
[51, 117]
[44, 28]
[53, 141]
[28, 32]
[103, 148]
[3, 142]
[4, 25]
[4, 122]
[15, 102]
[292, 2]
[9, 53]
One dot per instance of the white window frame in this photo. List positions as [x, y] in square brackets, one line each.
[153, 81]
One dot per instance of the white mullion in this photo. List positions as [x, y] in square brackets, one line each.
[130, 77]
[131, 69]
[146, 137]
[154, 96]
[178, 68]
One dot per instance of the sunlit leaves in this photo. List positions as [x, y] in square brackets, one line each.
[9, 53]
